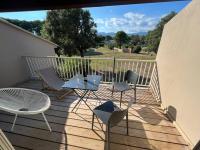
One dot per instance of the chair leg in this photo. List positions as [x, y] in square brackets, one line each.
[92, 120]
[108, 137]
[135, 94]
[46, 121]
[121, 98]
[112, 90]
[14, 122]
[65, 94]
[127, 132]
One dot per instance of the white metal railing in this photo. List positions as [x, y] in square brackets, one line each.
[110, 68]
[154, 83]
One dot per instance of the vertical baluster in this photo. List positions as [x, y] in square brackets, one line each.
[53, 59]
[72, 66]
[69, 67]
[60, 66]
[120, 69]
[133, 65]
[144, 71]
[43, 62]
[109, 70]
[88, 63]
[65, 68]
[125, 69]
[49, 64]
[76, 64]
[82, 66]
[34, 66]
[149, 68]
[56, 59]
[85, 65]
[129, 65]
[101, 70]
[98, 66]
[116, 70]
[136, 70]
[105, 69]
[141, 65]
[29, 66]
[95, 66]
[91, 66]
[152, 74]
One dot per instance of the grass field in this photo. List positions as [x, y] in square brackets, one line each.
[104, 52]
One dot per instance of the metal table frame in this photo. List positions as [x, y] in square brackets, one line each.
[83, 87]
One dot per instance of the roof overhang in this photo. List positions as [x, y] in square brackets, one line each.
[27, 5]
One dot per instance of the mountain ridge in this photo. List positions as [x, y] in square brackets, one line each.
[113, 33]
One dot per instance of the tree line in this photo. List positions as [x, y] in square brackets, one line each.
[31, 26]
[74, 30]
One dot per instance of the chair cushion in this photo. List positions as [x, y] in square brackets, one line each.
[121, 86]
[107, 106]
[104, 111]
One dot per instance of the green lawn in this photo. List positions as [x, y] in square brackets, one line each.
[104, 52]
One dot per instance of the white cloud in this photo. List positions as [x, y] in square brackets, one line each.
[130, 22]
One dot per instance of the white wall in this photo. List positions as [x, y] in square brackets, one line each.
[178, 61]
[14, 43]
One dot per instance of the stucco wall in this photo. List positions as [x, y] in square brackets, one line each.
[178, 63]
[14, 43]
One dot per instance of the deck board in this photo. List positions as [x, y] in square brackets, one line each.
[148, 126]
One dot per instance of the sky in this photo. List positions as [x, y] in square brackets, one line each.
[129, 18]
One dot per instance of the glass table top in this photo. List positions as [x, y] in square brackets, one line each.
[77, 82]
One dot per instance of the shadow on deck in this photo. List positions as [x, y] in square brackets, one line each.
[149, 128]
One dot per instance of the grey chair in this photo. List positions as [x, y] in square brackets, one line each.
[130, 78]
[110, 114]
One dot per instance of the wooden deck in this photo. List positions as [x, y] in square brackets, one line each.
[148, 126]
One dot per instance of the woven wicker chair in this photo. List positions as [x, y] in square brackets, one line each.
[20, 101]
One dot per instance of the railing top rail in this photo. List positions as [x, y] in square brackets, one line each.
[86, 57]
[142, 60]
[108, 58]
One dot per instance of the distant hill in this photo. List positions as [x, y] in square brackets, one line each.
[105, 33]
[140, 33]
[113, 34]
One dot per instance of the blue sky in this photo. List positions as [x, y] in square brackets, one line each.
[129, 18]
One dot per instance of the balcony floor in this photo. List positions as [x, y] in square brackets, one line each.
[149, 128]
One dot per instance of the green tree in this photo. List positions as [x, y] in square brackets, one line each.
[121, 38]
[100, 39]
[72, 29]
[135, 40]
[31, 26]
[153, 37]
[108, 38]
[137, 49]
